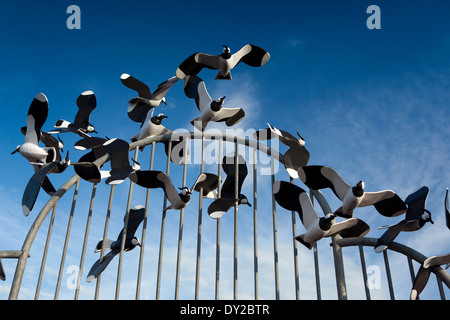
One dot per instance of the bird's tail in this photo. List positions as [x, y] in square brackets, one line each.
[301, 239]
[108, 243]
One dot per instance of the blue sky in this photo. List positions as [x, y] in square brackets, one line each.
[373, 104]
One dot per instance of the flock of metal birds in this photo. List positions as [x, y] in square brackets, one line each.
[48, 159]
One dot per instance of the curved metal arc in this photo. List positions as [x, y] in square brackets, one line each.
[21, 263]
[397, 247]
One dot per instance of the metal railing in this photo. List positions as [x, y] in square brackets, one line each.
[260, 208]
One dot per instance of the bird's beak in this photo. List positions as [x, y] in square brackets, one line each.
[14, 151]
[248, 203]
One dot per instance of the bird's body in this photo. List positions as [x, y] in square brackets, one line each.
[296, 156]
[30, 149]
[158, 179]
[210, 110]
[135, 217]
[228, 191]
[386, 202]
[139, 107]
[294, 198]
[249, 54]
[151, 127]
[86, 103]
[415, 219]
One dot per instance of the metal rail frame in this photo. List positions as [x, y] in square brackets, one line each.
[337, 243]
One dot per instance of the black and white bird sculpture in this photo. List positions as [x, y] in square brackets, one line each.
[415, 218]
[249, 54]
[120, 165]
[86, 103]
[135, 217]
[140, 106]
[91, 173]
[294, 198]
[228, 191]
[210, 110]
[386, 202]
[158, 179]
[297, 156]
[424, 272]
[30, 149]
[208, 186]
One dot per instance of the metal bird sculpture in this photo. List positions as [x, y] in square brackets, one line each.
[158, 179]
[86, 103]
[228, 191]
[210, 110]
[297, 156]
[294, 198]
[386, 202]
[416, 217]
[135, 217]
[249, 54]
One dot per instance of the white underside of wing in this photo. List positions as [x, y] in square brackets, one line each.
[371, 198]
[340, 185]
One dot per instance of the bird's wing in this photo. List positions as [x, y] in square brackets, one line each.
[34, 184]
[309, 213]
[195, 88]
[338, 227]
[264, 134]
[220, 206]
[119, 151]
[420, 282]
[135, 218]
[86, 103]
[200, 179]
[89, 172]
[163, 87]
[447, 210]
[100, 265]
[387, 202]
[147, 179]
[2, 272]
[360, 229]
[436, 260]
[37, 115]
[389, 235]
[416, 203]
[320, 177]
[189, 67]
[229, 167]
[295, 158]
[207, 60]
[287, 195]
[251, 55]
[134, 84]
[231, 116]
[210, 183]
[89, 143]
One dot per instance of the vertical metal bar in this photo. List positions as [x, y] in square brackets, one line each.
[219, 189]
[388, 273]
[440, 287]
[294, 246]
[236, 195]
[105, 236]
[255, 224]
[364, 271]
[275, 232]
[337, 250]
[199, 227]
[86, 233]
[124, 234]
[144, 229]
[180, 227]
[163, 226]
[66, 241]
[411, 273]
[316, 261]
[44, 257]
